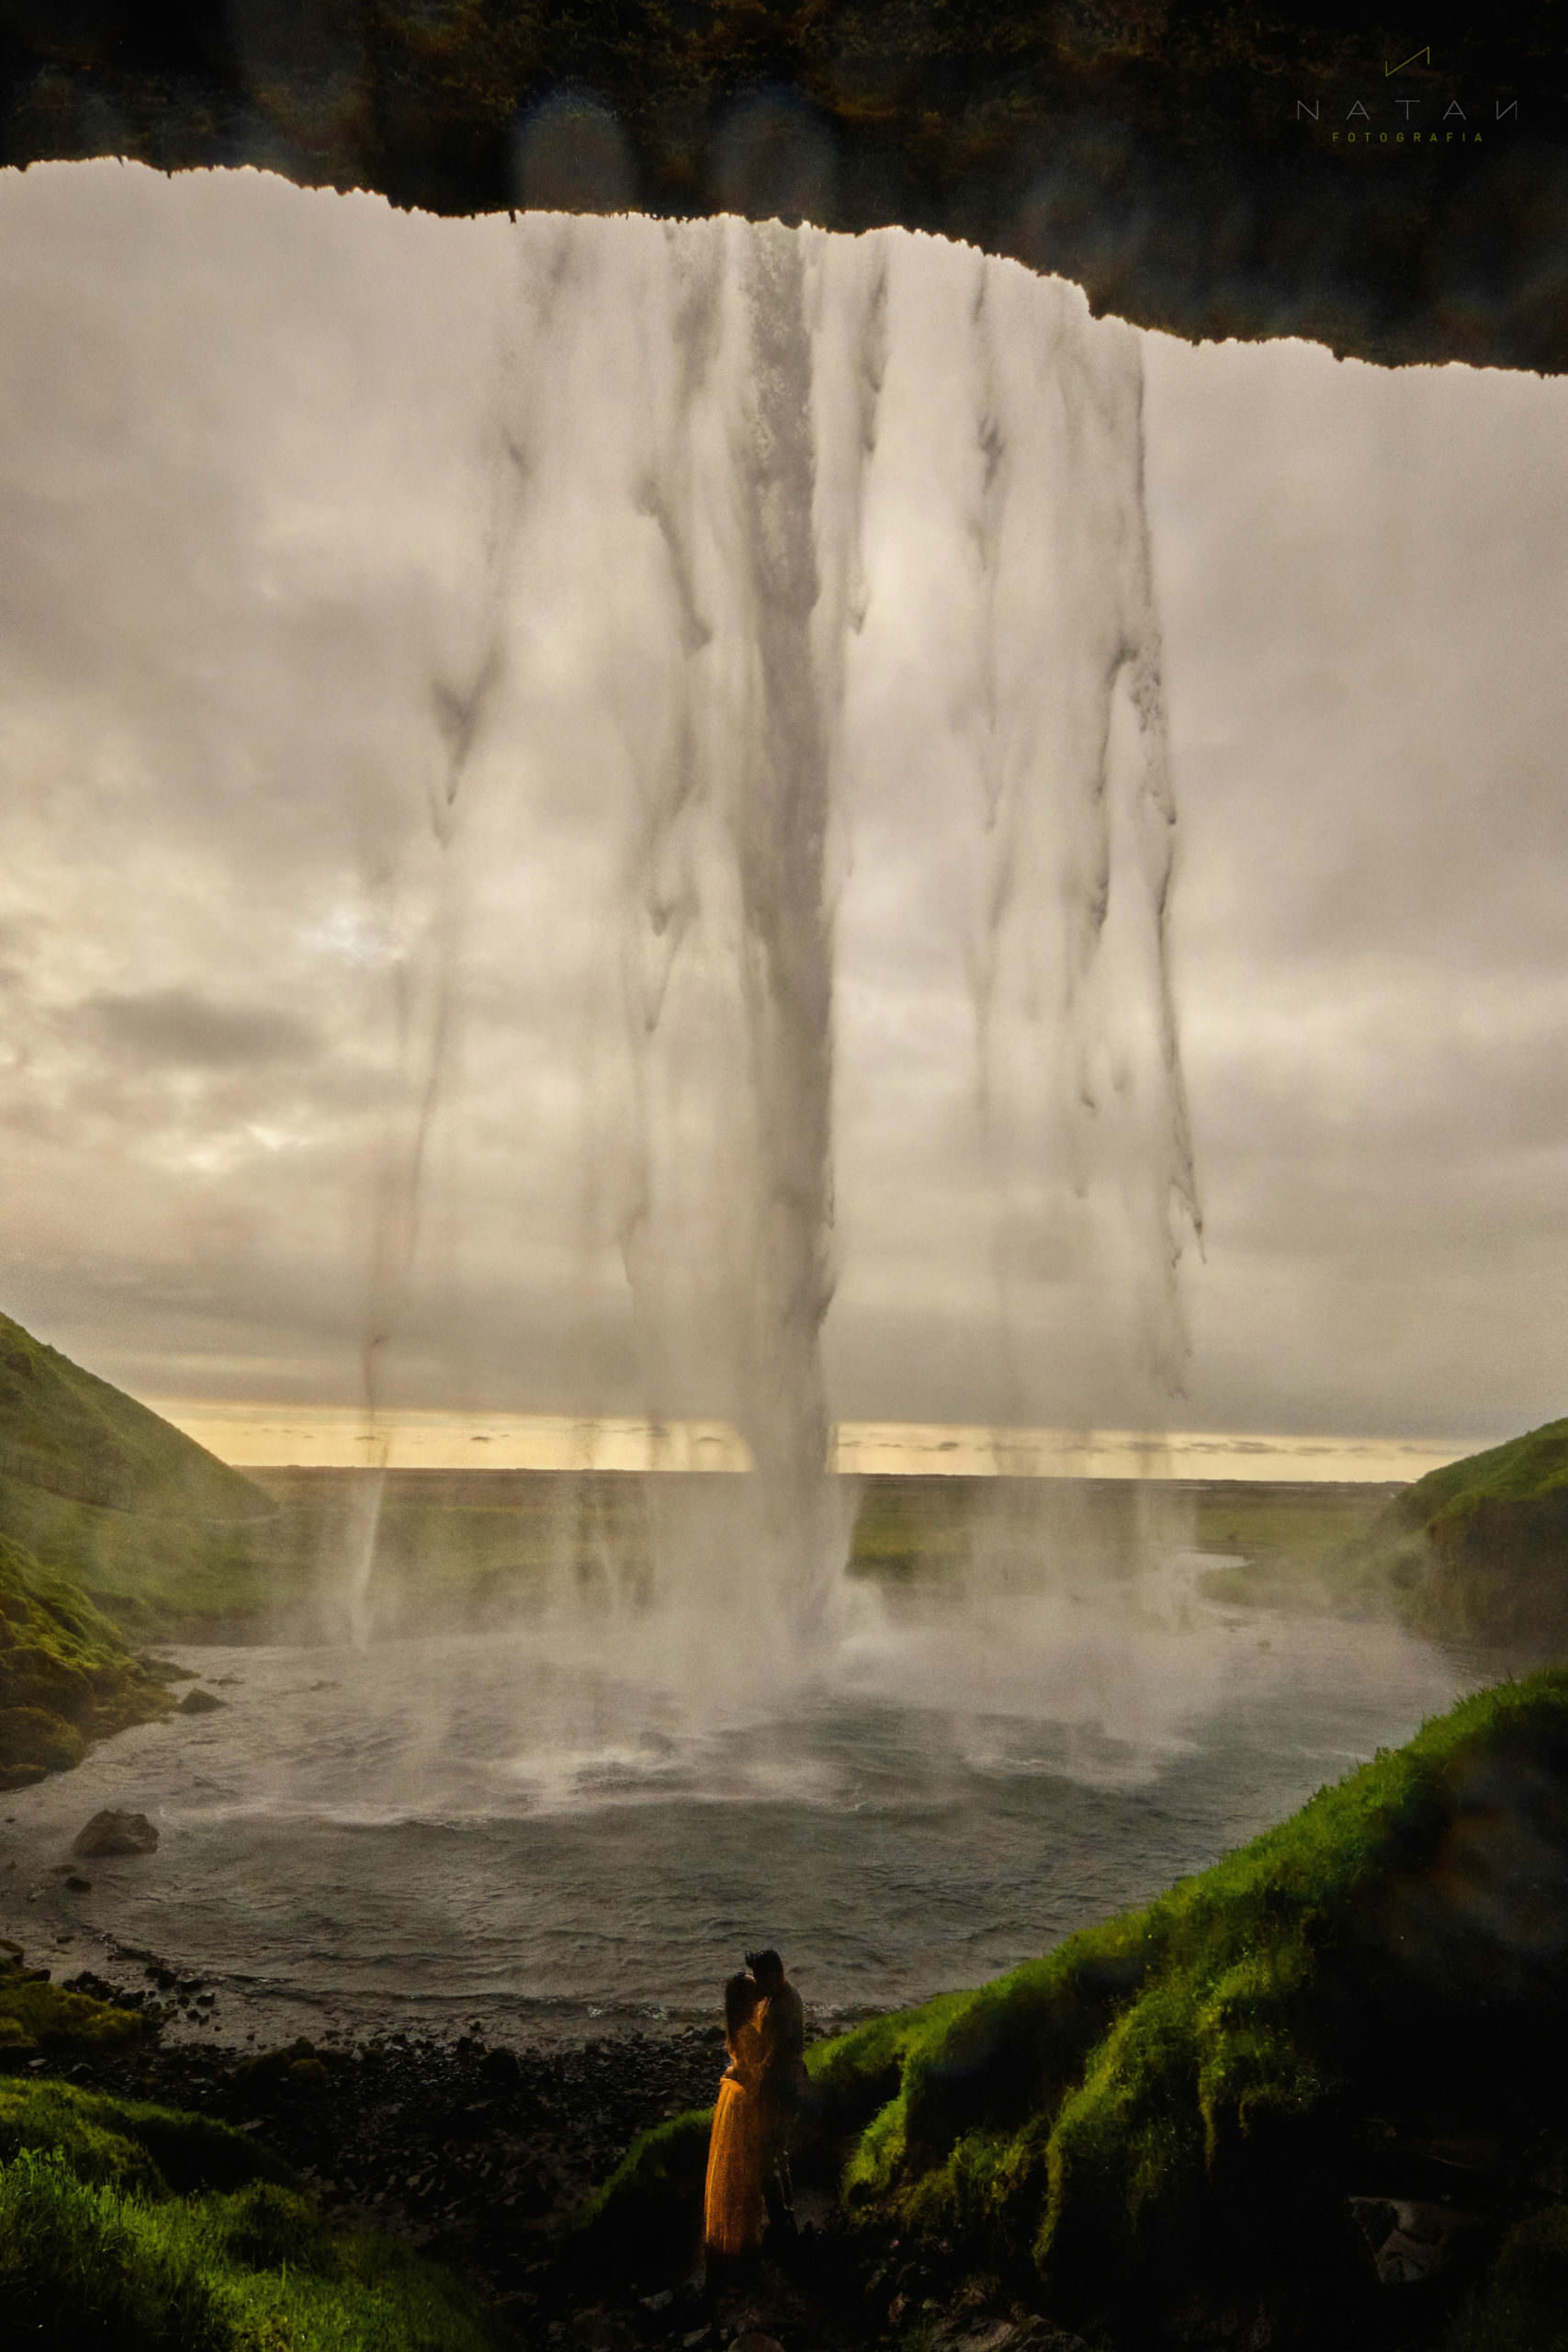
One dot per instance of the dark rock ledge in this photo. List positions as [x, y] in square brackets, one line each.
[1394, 187]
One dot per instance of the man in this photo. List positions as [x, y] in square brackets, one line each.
[781, 2022]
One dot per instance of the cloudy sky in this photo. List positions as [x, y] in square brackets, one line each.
[265, 594]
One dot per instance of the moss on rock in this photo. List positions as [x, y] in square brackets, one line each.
[37, 2015]
[127, 2224]
[1173, 2093]
[33, 1740]
[646, 2217]
[1478, 1550]
[163, 1539]
[66, 1676]
[1172, 2104]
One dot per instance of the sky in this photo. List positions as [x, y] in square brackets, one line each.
[253, 513]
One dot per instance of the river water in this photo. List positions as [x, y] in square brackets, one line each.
[528, 1829]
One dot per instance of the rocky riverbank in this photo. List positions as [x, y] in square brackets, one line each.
[1312, 2094]
[480, 2154]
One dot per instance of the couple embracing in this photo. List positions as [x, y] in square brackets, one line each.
[758, 2098]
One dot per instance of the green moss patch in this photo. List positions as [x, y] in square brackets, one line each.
[35, 2015]
[128, 2142]
[163, 1537]
[1176, 2094]
[66, 1677]
[646, 2217]
[1478, 1550]
[130, 2226]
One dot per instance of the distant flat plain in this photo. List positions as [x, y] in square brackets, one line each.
[480, 1540]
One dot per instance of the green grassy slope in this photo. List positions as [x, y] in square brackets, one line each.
[1177, 2103]
[65, 1431]
[66, 1677]
[127, 2224]
[1479, 1549]
[164, 1537]
[38, 2016]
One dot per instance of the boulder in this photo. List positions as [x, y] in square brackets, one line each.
[198, 1702]
[110, 1832]
[1408, 2237]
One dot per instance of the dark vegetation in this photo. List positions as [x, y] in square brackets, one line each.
[1479, 1550]
[138, 2229]
[1182, 164]
[136, 2226]
[66, 1676]
[1206, 2121]
[164, 2195]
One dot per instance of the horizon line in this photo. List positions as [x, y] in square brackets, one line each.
[257, 1436]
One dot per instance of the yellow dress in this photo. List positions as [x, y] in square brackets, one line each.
[732, 2203]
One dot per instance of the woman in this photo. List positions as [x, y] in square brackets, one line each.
[732, 2204]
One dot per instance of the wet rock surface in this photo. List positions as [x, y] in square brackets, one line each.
[113, 1832]
[200, 1702]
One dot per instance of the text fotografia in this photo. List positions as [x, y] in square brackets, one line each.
[1456, 127]
[1436, 118]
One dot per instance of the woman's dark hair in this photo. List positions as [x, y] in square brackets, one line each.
[739, 2000]
[764, 1964]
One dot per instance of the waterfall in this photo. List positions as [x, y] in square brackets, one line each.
[687, 461]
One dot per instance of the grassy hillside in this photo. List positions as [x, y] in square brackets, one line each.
[1479, 1549]
[66, 1677]
[1172, 2109]
[161, 1535]
[70, 1433]
[129, 2224]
